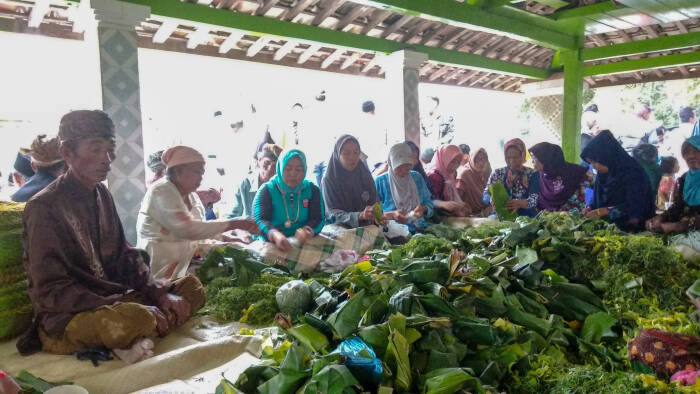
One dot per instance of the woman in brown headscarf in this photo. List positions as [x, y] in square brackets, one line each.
[472, 179]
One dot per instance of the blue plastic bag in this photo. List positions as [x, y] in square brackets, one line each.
[361, 360]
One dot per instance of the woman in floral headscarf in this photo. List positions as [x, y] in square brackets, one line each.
[443, 180]
[522, 183]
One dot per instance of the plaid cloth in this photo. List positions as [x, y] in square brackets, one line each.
[307, 257]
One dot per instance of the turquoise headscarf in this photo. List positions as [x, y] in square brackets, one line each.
[691, 189]
[282, 164]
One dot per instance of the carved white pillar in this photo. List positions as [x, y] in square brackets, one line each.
[119, 66]
[402, 78]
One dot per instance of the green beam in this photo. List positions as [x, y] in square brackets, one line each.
[644, 46]
[573, 103]
[506, 21]
[262, 26]
[585, 12]
[679, 59]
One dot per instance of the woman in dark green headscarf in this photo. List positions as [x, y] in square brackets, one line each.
[288, 205]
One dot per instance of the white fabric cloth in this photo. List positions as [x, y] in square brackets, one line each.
[403, 190]
[170, 232]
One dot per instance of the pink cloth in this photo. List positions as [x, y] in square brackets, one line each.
[686, 378]
[443, 157]
[178, 155]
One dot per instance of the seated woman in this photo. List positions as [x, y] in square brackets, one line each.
[522, 183]
[418, 167]
[266, 161]
[443, 181]
[171, 223]
[289, 205]
[348, 188]
[562, 185]
[402, 192]
[669, 169]
[622, 191]
[684, 213]
[471, 181]
[648, 157]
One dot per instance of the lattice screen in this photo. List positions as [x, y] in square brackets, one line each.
[548, 113]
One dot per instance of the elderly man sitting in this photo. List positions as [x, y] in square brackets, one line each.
[88, 287]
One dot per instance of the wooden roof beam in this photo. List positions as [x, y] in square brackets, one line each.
[508, 21]
[197, 37]
[330, 59]
[267, 7]
[164, 31]
[629, 66]
[467, 76]
[258, 46]
[329, 8]
[36, 15]
[377, 17]
[454, 36]
[308, 52]
[417, 29]
[297, 9]
[351, 16]
[350, 60]
[659, 44]
[330, 38]
[285, 49]
[435, 33]
[372, 63]
[396, 26]
[230, 41]
[437, 74]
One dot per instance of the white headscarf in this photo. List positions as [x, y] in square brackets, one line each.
[403, 190]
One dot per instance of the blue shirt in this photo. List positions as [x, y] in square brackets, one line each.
[387, 200]
[33, 186]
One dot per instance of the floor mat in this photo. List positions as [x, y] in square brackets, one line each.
[192, 356]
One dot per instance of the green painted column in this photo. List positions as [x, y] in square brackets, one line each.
[573, 98]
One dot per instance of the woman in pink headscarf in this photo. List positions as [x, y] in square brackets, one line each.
[443, 181]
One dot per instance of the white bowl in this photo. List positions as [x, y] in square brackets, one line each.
[69, 389]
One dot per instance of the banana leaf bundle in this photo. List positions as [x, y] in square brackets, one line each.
[11, 248]
[11, 215]
[500, 197]
[11, 274]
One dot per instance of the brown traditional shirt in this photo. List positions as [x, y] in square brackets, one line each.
[76, 256]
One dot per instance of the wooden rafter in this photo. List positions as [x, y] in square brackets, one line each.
[437, 74]
[350, 60]
[434, 34]
[396, 26]
[330, 59]
[419, 27]
[329, 8]
[298, 8]
[285, 49]
[267, 7]
[351, 16]
[308, 52]
[377, 17]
